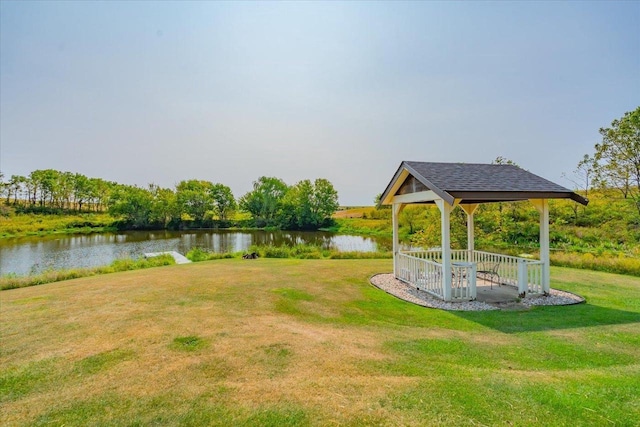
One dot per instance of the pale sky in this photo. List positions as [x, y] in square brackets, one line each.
[227, 92]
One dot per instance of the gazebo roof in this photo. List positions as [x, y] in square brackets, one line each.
[473, 183]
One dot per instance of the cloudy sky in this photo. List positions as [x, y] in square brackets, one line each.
[227, 92]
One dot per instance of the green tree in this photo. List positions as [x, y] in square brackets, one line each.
[296, 207]
[265, 200]
[101, 193]
[164, 208]
[324, 202]
[617, 157]
[410, 216]
[308, 205]
[132, 204]
[194, 198]
[81, 190]
[31, 189]
[13, 187]
[64, 190]
[3, 185]
[46, 182]
[224, 204]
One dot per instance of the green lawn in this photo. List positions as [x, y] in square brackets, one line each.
[310, 342]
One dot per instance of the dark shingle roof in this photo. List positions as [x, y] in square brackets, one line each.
[482, 182]
[482, 177]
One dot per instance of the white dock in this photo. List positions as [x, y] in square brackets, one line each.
[180, 259]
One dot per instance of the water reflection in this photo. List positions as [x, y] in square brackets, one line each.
[31, 255]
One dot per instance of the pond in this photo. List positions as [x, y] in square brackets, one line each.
[32, 255]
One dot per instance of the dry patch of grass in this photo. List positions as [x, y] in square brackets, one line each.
[308, 342]
[358, 212]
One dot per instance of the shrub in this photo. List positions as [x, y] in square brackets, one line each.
[198, 254]
[275, 252]
[302, 251]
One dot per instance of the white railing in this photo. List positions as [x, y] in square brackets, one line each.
[422, 273]
[436, 255]
[431, 255]
[423, 270]
[532, 277]
[521, 273]
[507, 266]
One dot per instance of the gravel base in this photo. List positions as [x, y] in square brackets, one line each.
[408, 293]
[555, 297]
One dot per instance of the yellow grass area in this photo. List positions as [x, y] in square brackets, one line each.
[257, 354]
[354, 212]
[284, 342]
[39, 224]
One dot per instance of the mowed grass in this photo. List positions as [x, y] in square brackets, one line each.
[310, 342]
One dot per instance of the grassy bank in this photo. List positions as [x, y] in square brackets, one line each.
[20, 225]
[306, 342]
[196, 255]
[13, 282]
[299, 251]
[364, 227]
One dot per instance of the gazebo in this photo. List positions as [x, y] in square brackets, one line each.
[451, 274]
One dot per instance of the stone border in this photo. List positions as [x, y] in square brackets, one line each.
[405, 292]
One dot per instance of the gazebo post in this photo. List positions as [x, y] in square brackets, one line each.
[395, 212]
[445, 213]
[470, 210]
[542, 205]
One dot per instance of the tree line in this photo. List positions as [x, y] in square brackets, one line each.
[614, 167]
[51, 189]
[192, 203]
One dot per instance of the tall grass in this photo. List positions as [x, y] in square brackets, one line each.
[299, 251]
[608, 263]
[13, 281]
[17, 225]
[197, 254]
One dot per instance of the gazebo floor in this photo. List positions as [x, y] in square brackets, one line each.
[495, 294]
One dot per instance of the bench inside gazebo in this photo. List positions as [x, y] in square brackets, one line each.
[452, 274]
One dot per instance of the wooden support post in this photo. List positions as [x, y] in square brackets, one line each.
[395, 212]
[542, 205]
[445, 214]
[523, 278]
[470, 210]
